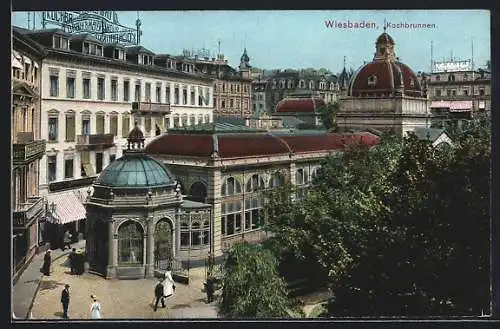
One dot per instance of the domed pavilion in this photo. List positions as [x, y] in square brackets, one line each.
[132, 215]
[384, 94]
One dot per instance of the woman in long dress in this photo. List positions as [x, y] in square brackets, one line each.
[168, 284]
[95, 308]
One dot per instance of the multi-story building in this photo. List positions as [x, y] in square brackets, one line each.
[259, 87]
[232, 95]
[91, 96]
[457, 92]
[279, 84]
[27, 149]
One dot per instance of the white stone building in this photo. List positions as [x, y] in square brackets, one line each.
[93, 93]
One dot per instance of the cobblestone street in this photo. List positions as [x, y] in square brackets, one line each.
[120, 299]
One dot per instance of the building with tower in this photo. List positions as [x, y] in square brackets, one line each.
[232, 96]
[384, 94]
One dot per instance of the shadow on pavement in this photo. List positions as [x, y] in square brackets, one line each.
[179, 306]
[59, 314]
[49, 285]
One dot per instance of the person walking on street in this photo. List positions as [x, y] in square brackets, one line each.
[66, 240]
[47, 260]
[159, 295]
[65, 301]
[72, 260]
[95, 308]
[168, 284]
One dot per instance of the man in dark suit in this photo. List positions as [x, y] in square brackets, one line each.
[65, 301]
[72, 260]
[159, 295]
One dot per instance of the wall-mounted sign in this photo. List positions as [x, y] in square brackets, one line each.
[452, 66]
[103, 25]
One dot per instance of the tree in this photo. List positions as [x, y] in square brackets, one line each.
[328, 114]
[251, 286]
[401, 229]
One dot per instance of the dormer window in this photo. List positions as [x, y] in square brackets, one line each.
[145, 59]
[412, 83]
[119, 54]
[60, 42]
[86, 48]
[372, 80]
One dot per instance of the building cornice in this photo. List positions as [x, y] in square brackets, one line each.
[121, 65]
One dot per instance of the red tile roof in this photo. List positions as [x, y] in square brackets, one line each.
[306, 105]
[249, 145]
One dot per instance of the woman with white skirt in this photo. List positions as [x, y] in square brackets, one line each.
[95, 308]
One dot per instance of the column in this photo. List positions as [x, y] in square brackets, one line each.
[171, 93]
[111, 269]
[196, 95]
[59, 166]
[150, 271]
[144, 253]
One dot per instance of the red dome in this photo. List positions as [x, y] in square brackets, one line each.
[302, 105]
[385, 76]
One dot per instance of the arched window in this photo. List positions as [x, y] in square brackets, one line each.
[192, 119]
[255, 183]
[198, 192]
[231, 186]
[130, 243]
[196, 239]
[290, 84]
[302, 84]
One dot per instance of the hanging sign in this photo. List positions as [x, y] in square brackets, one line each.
[103, 25]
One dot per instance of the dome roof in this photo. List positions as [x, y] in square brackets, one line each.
[385, 76]
[135, 170]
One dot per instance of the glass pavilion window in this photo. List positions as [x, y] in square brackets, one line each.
[197, 234]
[130, 244]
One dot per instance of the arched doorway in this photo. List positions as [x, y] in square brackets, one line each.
[130, 244]
[198, 192]
[163, 245]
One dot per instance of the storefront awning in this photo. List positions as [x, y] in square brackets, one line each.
[68, 208]
[454, 106]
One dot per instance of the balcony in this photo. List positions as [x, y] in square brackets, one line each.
[94, 142]
[72, 184]
[27, 152]
[27, 212]
[150, 108]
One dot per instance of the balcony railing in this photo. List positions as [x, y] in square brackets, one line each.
[95, 141]
[27, 152]
[28, 211]
[71, 184]
[148, 107]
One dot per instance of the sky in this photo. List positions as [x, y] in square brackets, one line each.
[281, 39]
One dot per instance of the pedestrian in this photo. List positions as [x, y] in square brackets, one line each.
[72, 261]
[159, 295]
[95, 308]
[65, 301]
[47, 260]
[168, 284]
[209, 288]
[67, 240]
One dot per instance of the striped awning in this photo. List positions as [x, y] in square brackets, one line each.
[68, 208]
[454, 106]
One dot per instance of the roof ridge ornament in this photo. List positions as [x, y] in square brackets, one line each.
[135, 140]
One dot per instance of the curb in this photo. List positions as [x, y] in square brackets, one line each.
[39, 282]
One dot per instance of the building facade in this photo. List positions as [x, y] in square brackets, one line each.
[384, 94]
[229, 168]
[458, 94]
[92, 95]
[232, 96]
[284, 83]
[28, 208]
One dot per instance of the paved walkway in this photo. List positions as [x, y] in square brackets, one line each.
[26, 287]
[120, 299]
